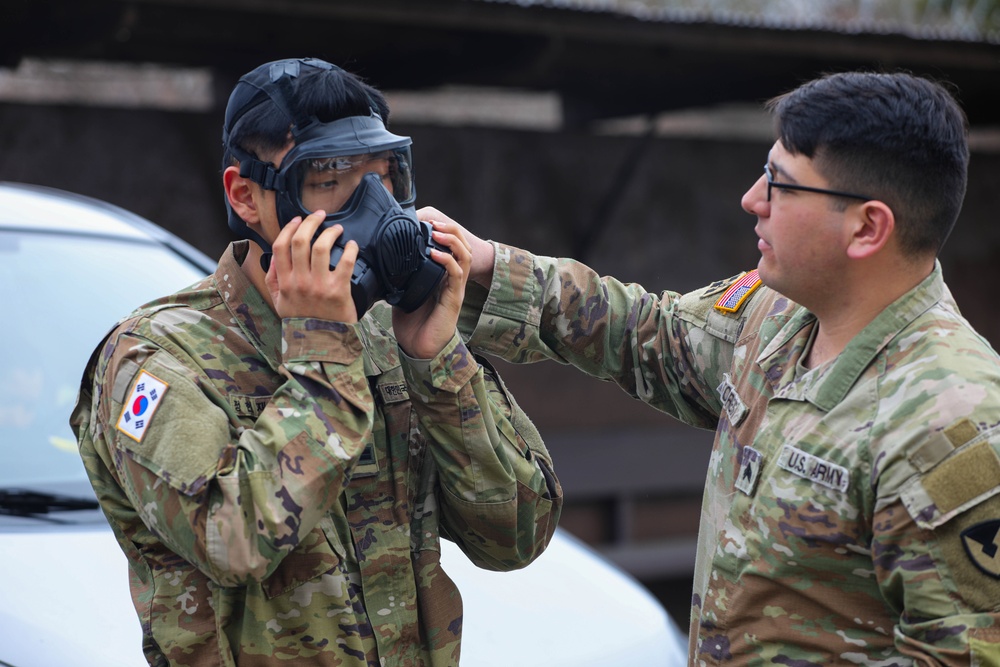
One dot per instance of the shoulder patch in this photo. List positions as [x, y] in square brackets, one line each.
[734, 297]
[982, 545]
[970, 546]
[145, 397]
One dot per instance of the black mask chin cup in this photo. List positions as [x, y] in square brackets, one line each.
[394, 248]
[406, 268]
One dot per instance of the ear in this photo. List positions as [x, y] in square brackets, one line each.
[239, 191]
[872, 228]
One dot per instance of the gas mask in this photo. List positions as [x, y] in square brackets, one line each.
[394, 248]
[327, 161]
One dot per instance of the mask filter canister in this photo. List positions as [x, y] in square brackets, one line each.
[394, 249]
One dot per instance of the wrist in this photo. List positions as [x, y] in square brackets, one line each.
[483, 259]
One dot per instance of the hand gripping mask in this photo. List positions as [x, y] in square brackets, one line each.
[326, 162]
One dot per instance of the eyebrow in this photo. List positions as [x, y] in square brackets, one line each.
[778, 171]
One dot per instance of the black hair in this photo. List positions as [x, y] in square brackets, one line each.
[895, 137]
[327, 94]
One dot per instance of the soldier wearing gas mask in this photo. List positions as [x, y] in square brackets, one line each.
[312, 423]
[355, 171]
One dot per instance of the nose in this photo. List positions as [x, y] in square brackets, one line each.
[754, 200]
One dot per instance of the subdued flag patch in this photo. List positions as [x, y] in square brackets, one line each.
[145, 397]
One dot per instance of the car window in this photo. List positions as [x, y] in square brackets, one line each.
[59, 294]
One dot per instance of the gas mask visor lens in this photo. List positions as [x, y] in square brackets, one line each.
[326, 182]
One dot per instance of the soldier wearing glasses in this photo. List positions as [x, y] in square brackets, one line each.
[852, 507]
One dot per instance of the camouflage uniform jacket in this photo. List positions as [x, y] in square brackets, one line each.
[280, 487]
[851, 512]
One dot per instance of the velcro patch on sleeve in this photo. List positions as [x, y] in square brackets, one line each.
[961, 432]
[140, 406]
[737, 293]
[940, 445]
[937, 447]
[964, 476]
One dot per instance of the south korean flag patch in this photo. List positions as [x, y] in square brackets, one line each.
[147, 392]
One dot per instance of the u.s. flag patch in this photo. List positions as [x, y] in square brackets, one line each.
[733, 298]
[147, 392]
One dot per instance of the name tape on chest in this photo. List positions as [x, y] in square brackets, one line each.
[732, 299]
[141, 405]
[394, 392]
[735, 408]
[248, 406]
[814, 469]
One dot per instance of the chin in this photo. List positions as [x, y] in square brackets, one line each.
[771, 278]
[764, 272]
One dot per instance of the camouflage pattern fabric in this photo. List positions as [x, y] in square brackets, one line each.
[281, 488]
[851, 513]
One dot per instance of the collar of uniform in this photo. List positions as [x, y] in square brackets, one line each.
[828, 386]
[250, 311]
[261, 324]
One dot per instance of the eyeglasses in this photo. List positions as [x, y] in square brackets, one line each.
[771, 183]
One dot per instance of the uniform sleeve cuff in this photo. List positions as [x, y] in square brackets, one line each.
[450, 370]
[514, 297]
[310, 339]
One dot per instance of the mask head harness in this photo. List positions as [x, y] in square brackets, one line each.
[326, 160]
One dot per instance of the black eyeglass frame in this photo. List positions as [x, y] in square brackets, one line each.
[771, 183]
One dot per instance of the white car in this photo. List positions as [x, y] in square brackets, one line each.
[70, 266]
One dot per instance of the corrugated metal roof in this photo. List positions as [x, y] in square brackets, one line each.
[800, 17]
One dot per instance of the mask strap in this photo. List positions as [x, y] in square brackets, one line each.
[282, 75]
[262, 173]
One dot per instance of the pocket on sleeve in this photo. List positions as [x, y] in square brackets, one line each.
[183, 434]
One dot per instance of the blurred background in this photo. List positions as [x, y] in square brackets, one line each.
[622, 133]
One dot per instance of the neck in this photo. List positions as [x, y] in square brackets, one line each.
[847, 313]
[254, 272]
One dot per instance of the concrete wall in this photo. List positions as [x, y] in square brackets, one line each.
[661, 211]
